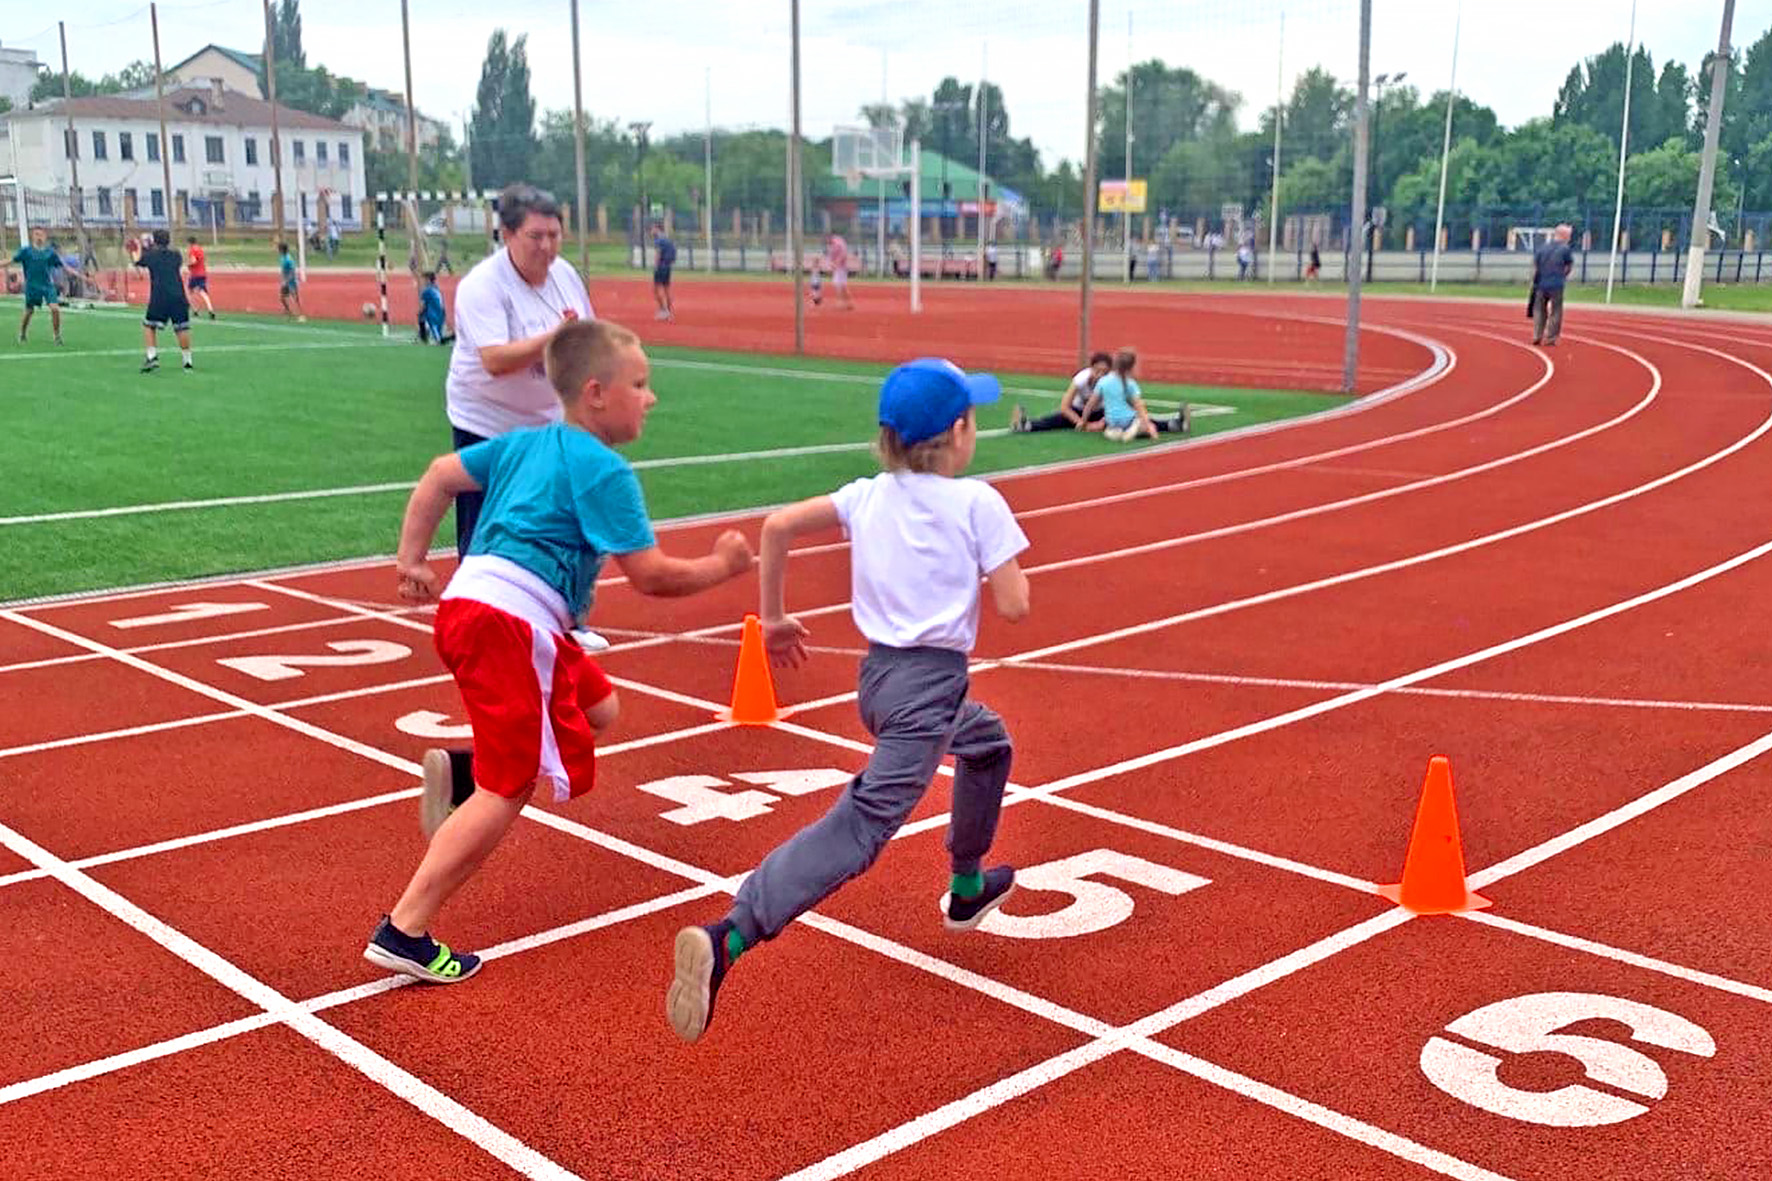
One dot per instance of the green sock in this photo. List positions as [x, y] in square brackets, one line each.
[968, 885]
[734, 944]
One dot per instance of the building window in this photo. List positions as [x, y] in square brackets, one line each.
[251, 150]
[125, 146]
[104, 202]
[344, 206]
[131, 204]
[178, 149]
[344, 155]
[157, 202]
[184, 205]
[98, 145]
[153, 145]
[70, 144]
[212, 149]
[301, 151]
[320, 152]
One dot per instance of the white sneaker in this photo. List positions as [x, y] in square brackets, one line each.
[589, 640]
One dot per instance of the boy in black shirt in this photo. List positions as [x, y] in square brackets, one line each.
[166, 299]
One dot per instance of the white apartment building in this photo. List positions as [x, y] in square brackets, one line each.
[219, 149]
[382, 114]
[18, 74]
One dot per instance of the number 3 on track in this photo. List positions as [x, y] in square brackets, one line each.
[1094, 906]
[1528, 1024]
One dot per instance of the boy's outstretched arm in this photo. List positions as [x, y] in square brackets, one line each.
[651, 571]
[1009, 591]
[443, 481]
[783, 635]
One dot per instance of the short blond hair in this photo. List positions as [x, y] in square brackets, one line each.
[581, 350]
[897, 456]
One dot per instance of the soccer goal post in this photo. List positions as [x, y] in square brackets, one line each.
[425, 223]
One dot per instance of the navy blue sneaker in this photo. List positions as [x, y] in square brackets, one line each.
[700, 965]
[418, 956]
[963, 914]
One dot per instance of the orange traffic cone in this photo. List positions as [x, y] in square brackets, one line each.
[753, 690]
[1433, 869]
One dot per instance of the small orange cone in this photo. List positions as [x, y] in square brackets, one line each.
[753, 690]
[1433, 869]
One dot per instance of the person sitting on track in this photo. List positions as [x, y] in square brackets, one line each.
[559, 502]
[1123, 405]
[1074, 412]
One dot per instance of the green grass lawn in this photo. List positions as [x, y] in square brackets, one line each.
[274, 407]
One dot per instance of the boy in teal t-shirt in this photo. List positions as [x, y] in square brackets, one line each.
[39, 262]
[560, 501]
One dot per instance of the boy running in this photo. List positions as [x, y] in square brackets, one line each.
[559, 502]
[166, 300]
[197, 272]
[920, 540]
[39, 263]
[289, 287]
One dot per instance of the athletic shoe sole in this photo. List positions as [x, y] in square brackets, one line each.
[381, 957]
[981, 916]
[686, 1001]
[438, 798]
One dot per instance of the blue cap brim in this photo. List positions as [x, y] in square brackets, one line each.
[982, 388]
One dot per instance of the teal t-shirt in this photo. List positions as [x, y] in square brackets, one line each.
[1116, 399]
[558, 502]
[37, 264]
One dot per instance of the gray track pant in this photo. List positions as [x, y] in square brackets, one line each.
[913, 701]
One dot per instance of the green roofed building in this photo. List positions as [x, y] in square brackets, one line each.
[856, 207]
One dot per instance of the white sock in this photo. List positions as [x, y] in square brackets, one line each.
[153, 352]
[186, 354]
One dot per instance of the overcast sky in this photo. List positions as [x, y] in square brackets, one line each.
[1512, 57]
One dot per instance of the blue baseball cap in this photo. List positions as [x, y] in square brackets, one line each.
[920, 399]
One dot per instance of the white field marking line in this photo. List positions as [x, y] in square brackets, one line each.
[204, 351]
[262, 325]
[101, 1066]
[126, 732]
[196, 641]
[492, 1140]
[1649, 963]
[1443, 360]
[1472, 694]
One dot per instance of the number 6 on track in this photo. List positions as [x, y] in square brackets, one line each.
[1094, 906]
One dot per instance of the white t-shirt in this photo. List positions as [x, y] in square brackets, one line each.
[1080, 390]
[496, 305]
[919, 544]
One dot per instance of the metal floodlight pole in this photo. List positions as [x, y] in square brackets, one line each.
[1126, 201]
[916, 225]
[1273, 212]
[1707, 168]
[1351, 345]
[1089, 190]
[276, 141]
[78, 198]
[639, 130]
[160, 107]
[1623, 148]
[411, 114]
[578, 148]
[1446, 150]
[707, 149]
[983, 67]
[794, 213]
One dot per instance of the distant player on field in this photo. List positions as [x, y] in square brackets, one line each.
[665, 259]
[166, 300]
[289, 287]
[836, 252]
[39, 263]
[197, 273]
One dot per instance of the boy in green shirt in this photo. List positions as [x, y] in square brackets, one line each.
[39, 261]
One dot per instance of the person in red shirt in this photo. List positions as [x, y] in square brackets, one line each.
[197, 273]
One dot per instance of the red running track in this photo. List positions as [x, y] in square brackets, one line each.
[1545, 565]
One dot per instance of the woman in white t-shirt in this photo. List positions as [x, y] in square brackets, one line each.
[1074, 413]
[507, 308]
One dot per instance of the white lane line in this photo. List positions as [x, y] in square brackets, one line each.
[429, 1101]
[1238, 680]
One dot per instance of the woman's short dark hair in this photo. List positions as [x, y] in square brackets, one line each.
[516, 202]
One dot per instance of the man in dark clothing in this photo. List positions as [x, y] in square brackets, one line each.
[1551, 266]
[167, 303]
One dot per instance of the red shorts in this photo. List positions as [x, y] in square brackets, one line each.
[526, 693]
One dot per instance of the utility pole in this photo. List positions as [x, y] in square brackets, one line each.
[1350, 363]
[578, 147]
[276, 142]
[1707, 168]
[1089, 189]
[795, 245]
[73, 152]
[160, 104]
